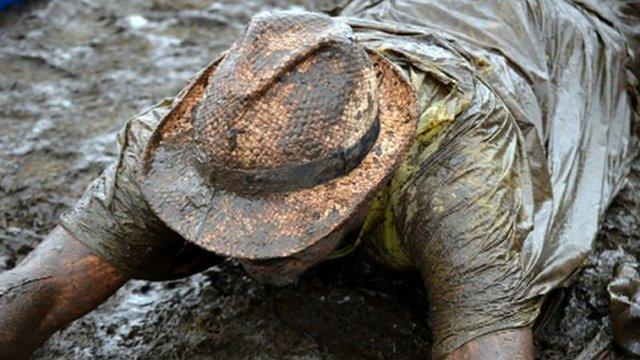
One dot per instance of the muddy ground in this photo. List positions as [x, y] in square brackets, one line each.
[71, 72]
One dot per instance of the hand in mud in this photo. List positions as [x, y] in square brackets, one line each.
[57, 283]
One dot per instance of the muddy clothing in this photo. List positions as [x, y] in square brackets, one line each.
[516, 159]
[524, 139]
[113, 219]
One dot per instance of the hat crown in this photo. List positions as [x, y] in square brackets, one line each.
[295, 92]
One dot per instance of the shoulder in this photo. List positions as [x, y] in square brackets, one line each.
[137, 131]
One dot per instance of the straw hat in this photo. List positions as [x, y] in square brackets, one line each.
[280, 141]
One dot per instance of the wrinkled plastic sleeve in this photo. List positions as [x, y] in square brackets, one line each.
[463, 216]
[113, 219]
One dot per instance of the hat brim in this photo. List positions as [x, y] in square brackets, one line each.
[277, 224]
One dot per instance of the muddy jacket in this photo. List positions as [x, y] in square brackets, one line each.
[525, 136]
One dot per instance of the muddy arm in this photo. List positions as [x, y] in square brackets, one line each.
[506, 345]
[465, 220]
[58, 282]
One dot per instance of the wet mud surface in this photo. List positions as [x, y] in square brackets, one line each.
[71, 73]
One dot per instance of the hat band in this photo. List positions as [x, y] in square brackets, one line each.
[288, 177]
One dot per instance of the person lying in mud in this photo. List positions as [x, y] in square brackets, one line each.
[479, 145]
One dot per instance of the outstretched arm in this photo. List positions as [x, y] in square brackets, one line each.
[465, 215]
[60, 281]
[506, 345]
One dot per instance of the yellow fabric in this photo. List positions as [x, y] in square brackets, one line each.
[439, 106]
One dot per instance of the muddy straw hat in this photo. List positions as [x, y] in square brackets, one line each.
[280, 141]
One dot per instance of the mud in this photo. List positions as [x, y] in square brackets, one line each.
[72, 72]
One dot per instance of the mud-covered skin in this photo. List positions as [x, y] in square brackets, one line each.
[514, 344]
[57, 283]
[49, 153]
